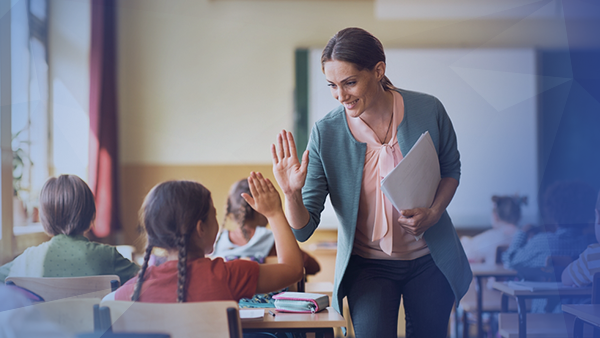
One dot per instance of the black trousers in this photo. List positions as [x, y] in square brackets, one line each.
[374, 290]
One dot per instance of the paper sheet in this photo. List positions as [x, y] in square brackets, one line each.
[414, 181]
[252, 313]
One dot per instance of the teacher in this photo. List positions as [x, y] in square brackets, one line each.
[379, 261]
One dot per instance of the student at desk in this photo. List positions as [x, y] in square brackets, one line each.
[67, 211]
[251, 238]
[581, 272]
[505, 219]
[567, 209]
[179, 216]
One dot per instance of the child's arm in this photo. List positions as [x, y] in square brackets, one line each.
[265, 200]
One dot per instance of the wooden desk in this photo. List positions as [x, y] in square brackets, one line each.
[521, 295]
[589, 313]
[321, 323]
[481, 271]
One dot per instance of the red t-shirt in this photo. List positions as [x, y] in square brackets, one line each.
[207, 280]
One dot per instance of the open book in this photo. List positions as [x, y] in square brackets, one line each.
[414, 181]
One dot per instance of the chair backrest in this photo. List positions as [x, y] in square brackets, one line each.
[54, 288]
[73, 315]
[499, 251]
[596, 289]
[180, 320]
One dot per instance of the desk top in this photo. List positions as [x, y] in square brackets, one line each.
[491, 270]
[323, 319]
[517, 291]
[586, 312]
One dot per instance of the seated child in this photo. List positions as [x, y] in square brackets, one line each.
[581, 271]
[567, 209]
[67, 211]
[251, 238]
[179, 216]
[505, 219]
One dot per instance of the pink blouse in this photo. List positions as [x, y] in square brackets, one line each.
[378, 233]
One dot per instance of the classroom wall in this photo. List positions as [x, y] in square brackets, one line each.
[205, 86]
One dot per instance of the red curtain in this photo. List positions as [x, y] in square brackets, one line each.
[103, 161]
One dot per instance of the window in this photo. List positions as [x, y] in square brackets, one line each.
[44, 109]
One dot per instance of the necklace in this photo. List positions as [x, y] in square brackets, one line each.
[386, 133]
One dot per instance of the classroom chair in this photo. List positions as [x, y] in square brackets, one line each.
[69, 316]
[54, 288]
[490, 301]
[179, 320]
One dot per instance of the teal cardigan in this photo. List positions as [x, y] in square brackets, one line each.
[335, 167]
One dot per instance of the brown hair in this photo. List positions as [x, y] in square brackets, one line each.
[569, 203]
[508, 208]
[66, 206]
[237, 207]
[169, 215]
[359, 47]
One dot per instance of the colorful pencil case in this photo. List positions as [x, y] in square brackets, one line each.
[300, 302]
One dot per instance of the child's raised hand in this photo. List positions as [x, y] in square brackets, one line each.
[265, 198]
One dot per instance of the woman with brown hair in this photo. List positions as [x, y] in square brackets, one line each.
[350, 150]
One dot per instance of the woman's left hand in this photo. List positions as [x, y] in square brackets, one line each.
[417, 221]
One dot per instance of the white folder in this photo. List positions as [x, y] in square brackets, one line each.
[414, 181]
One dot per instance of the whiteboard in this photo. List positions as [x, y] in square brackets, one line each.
[490, 96]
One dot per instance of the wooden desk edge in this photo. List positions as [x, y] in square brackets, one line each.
[323, 320]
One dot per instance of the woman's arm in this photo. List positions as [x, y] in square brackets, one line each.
[291, 175]
[265, 200]
[417, 221]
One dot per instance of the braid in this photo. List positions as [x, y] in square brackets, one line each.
[181, 268]
[138, 284]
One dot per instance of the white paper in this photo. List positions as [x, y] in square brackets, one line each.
[414, 181]
[252, 313]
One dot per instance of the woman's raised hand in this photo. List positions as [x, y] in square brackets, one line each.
[289, 172]
[265, 198]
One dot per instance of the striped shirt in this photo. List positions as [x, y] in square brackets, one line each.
[583, 269]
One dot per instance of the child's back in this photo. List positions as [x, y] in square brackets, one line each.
[67, 211]
[207, 280]
[179, 216]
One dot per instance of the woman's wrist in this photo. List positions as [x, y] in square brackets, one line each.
[294, 196]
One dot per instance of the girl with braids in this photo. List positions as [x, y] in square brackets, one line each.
[251, 238]
[179, 217]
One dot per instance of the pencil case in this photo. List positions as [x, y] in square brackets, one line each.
[300, 302]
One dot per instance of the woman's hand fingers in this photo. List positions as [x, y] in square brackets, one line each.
[274, 155]
[280, 153]
[286, 144]
[304, 163]
[292, 145]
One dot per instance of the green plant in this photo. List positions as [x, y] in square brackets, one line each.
[20, 159]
